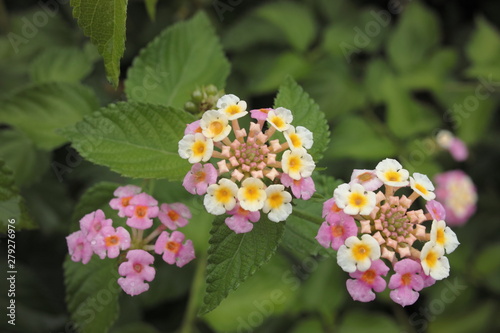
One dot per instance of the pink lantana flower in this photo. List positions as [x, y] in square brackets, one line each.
[456, 191]
[111, 241]
[406, 282]
[436, 210]
[241, 219]
[136, 270]
[330, 207]
[260, 114]
[458, 150]
[79, 247]
[140, 211]
[361, 289]
[367, 178]
[174, 215]
[337, 228]
[92, 224]
[123, 195]
[303, 188]
[199, 178]
[174, 252]
[193, 128]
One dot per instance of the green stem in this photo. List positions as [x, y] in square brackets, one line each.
[194, 295]
[308, 217]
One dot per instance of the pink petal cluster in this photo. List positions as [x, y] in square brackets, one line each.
[141, 210]
[199, 178]
[365, 283]
[241, 220]
[135, 271]
[173, 250]
[303, 188]
[336, 229]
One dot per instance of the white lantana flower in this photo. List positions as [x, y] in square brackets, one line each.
[196, 147]
[297, 163]
[354, 199]
[298, 137]
[422, 185]
[221, 197]
[391, 172]
[252, 194]
[232, 106]
[277, 203]
[358, 253]
[214, 125]
[280, 118]
[443, 236]
[433, 261]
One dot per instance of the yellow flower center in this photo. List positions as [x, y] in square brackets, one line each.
[440, 238]
[275, 200]
[295, 139]
[251, 193]
[111, 240]
[199, 148]
[393, 176]
[223, 195]
[361, 252]
[278, 122]
[357, 200]
[294, 163]
[421, 189]
[216, 127]
[233, 109]
[431, 259]
[369, 276]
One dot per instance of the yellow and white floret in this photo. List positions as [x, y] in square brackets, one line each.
[277, 203]
[297, 163]
[354, 199]
[391, 172]
[221, 197]
[358, 253]
[443, 236]
[214, 125]
[232, 106]
[421, 184]
[433, 261]
[298, 137]
[280, 118]
[252, 194]
[196, 147]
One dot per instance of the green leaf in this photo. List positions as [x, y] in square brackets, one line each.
[21, 155]
[233, 258]
[487, 267]
[354, 137]
[301, 33]
[151, 8]
[362, 321]
[12, 205]
[134, 139]
[416, 34]
[92, 293]
[60, 65]
[104, 22]
[305, 113]
[237, 38]
[483, 47]
[41, 109]
[185, 56]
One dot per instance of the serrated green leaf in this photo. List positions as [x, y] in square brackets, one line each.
[21, 155]
[12, 205]
[92, 293]
[416, 34]
[104, 22]
[354, 137]
[305, 113]
[134, 139]
[299, 34]
[61, 64]
[183, 57]
[233, 258]
[40, 110]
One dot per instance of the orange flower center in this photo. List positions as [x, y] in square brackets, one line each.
[138, 268]
[406, 279]
[200, 176]
[111, 240]
[174, 216]
[369, 276]
[364, 177]
[125, 201]
[337, 231]
[173, 246]
[141, 211]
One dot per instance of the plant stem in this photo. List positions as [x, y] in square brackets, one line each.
[194, 295]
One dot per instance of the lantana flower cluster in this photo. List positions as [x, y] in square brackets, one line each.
[255, 170]
[98, 236]
[374, 229]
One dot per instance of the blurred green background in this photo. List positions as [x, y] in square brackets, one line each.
[387, 74]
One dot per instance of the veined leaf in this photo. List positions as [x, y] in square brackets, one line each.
[134, 139]
[233, 258]
[305, 113]
[184, 57]
[41, 109]
[104, 22]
